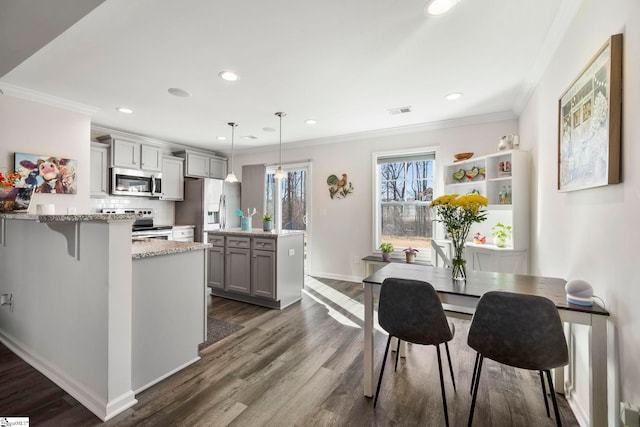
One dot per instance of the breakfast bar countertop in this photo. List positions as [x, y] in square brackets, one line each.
[145, 248]
[256, 232]
[70, 217]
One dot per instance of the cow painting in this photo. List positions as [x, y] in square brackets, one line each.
[47, 174]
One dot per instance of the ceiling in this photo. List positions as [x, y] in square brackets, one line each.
[341, 63]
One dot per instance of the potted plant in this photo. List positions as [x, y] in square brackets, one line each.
[501, 233]
[386, 249]
[411, 253]
[267, 222]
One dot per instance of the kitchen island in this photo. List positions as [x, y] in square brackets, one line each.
[81, 302]
[259, 267]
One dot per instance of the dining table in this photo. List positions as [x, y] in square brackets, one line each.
[460, 297]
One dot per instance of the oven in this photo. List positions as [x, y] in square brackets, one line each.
[143, 227]
[162, 233]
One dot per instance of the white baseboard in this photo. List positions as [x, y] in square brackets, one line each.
[578, 410]
[168, 374]
[101, 408]
[356, 279]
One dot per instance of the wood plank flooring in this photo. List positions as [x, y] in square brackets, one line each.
[298, 367]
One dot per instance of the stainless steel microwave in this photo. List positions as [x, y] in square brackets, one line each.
[132, 182]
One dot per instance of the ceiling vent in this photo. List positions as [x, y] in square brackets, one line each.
[399, 110]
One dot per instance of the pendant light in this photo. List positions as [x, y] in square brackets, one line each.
[280, 173]
[231, 177]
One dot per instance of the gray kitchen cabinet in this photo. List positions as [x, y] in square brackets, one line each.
[215, 272]
[131, 154]
[99, 184]
[172, 178]
[237, 269]
[260, 268]
[217, 167]
[203, 165]
[263, 268]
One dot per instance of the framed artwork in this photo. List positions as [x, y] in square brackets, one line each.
[589, 123]
[47, 174]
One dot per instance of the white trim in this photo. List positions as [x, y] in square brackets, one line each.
[101, 408]
[355, 279]
[168, 374]
[400, 130]
[44, 98]
[376, 223]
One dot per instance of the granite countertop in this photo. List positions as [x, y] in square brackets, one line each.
[71, 218]
[145, 248]
[257, 232]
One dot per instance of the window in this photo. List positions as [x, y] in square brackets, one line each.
[405, 185]
[293, 195]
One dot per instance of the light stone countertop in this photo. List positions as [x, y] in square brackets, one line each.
[145, 248]
[255, 232]
[71, 218]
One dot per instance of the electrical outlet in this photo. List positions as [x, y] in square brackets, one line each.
[292, 252]
[629, 414]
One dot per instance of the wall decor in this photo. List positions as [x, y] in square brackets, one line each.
[47, 174]
[589, 123]
[339, 187]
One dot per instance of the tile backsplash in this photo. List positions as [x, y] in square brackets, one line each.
[163, 210]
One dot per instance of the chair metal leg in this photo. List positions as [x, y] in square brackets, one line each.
[444, 397]
[476, 384]
[475, 370]
[544, 393]
[384, 361]
[553, 399]
[453, 380]
[397, 354]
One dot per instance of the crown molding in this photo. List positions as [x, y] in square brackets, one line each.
[44, 98]
[559, 27]
[400, 130]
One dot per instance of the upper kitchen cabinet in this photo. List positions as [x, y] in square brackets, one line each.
[135, 155]
[201, 165]
[217, 167]
[99, 170]
[172, 178]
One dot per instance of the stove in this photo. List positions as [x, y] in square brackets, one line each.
[143, 227]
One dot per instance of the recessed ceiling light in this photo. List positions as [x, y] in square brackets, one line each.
[176, 91]
[249, 137]
[125, 110]
[453, 96]
[268, 129]
[221, 138]
[438, 7]
[229, 76]
[310, 122]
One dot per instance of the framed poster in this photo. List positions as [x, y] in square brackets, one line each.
[47, 174]
[589, 123]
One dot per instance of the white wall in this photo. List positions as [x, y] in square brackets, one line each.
[591, 234]
[340, 239]
[35, 128]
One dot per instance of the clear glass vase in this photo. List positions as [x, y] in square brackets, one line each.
[459, 269]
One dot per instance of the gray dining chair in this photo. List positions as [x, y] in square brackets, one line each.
[410, 311]
[523, 331]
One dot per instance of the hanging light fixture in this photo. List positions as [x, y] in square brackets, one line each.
[280, 173]
[231, 177]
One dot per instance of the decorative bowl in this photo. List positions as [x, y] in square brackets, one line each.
[462, 156]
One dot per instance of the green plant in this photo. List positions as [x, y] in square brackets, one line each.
[501, 231]
[386, 247]
[266, 218]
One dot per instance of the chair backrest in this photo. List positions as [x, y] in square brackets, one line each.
[411, 311]
[524, 331]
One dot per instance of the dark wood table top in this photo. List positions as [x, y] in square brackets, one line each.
[480, 282]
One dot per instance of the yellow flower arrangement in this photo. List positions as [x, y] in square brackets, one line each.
[457, 213]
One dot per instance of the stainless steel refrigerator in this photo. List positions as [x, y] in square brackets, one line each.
[209, 204]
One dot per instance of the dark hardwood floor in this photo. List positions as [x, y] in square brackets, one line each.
[298, 367]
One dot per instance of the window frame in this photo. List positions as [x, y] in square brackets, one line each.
[376, 202]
